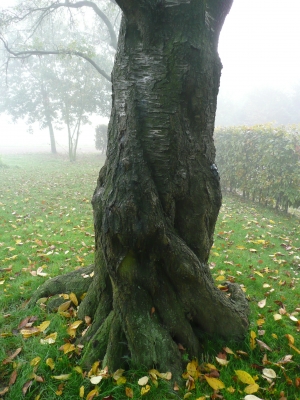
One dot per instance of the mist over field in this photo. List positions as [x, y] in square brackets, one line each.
[260, 78]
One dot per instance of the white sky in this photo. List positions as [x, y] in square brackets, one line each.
[259, 46]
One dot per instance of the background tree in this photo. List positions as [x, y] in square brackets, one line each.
[101, 138]
[158, 194]
[64, 90]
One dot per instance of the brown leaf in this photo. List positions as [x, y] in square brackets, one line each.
[5, 390]
[13, 377]
[262, 345]
[129, 392]
[12, 356]
[26, 386]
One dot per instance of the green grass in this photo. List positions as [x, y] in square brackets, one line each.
[46, 227]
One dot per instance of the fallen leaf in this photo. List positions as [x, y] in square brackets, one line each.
[26, 386]
[81, 392]
[253, 388]
[12, 356]
[92, 394]
[64, 306]
[63, 377]
[73, 298]
[245, 377]
[269, 373]
[143, 381]
[145, 389]
[50, 363]
[129, 392]
[262, 345]
[262, 303]
[35, 361]
[13, 377]
[215, 383]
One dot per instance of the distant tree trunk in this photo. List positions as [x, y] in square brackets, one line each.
[158, 195]
[49, 120]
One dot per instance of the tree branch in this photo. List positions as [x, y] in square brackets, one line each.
[28, 53]
[78, 4]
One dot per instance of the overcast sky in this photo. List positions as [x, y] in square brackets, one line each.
[259, 46]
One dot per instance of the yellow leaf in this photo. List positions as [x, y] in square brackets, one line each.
[145, 389]
[252, 340]
[187, 395]
[228, 350]
[44, 325]
[277, 317]
[78, 370]
[215, 383]
[129, 392]
[245, 377]
[64, 306]
[92, 394]
[230, 389]
[30, 332]
[165, 375]
[67, 348]
[63, 377]
[192, 369]
[73, 298]
[94, 368]
[294, 348]
[81, 392]
[143, 381]
[76, 324]
[118, 374]
[290, 338]
[260, 321]
[258, 273]
[71, 332]
[274, 336]
[50, 339]
[211, 367]
[220, 278]
[37, 397]
[50, 363]
[253, 388]
[35, 361]
[121, 380]
[201, 398]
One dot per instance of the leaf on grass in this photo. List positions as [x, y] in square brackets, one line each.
[228, 350]
[63, 377]
[26, 386]
[13, 377]
[262, 303]
[50, 363]
[73, 298]
[145, 389]
[244, 377]
[262, 345]
[260, 321]
[78, 369]
[4, 391]
[67, 348]
[50, 339]
[253, 388]
[290, 338]
[269, 373]
[252, 340]
[81, 392]
[96, 379]
[129, 392]
[28, 332]
[277, 317]
[12, 356]
[187, 395]
[215, 383]
[252, 397]
[143, 381]
[221, 361]
[35, 361]
[192, 369]
[43, 326]
[117, 374]
[64, 306]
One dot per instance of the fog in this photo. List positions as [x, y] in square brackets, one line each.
[259, 49]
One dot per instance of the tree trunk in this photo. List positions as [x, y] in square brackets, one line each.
[158, 195]
[49, 120]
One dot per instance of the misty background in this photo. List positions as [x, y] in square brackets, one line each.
[259, 49]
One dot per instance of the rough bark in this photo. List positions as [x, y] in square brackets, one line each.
[158, 195]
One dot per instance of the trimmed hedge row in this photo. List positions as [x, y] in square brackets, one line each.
[261, 162]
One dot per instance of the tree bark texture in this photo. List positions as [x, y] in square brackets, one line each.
[158, 195]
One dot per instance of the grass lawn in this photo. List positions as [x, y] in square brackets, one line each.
[46, 229]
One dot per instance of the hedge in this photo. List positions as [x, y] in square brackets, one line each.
[261, 162]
